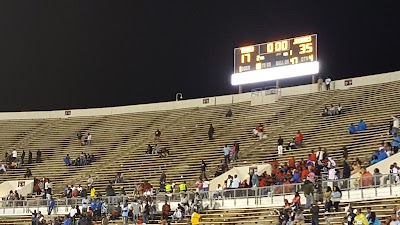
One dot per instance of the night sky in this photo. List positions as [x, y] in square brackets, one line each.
[78, 54]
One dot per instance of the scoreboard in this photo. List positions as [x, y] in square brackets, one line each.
[267, 57]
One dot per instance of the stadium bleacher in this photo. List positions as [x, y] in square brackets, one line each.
[119, 143]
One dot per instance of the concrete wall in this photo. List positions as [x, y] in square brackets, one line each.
[12, 185]
[219, 100]
[242, 172]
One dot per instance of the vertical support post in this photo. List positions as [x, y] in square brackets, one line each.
[277, 83]
[240, 89]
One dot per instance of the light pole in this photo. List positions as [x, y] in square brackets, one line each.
[178, 96]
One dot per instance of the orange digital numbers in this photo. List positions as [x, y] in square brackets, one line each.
[277, 46]
[245, 57]
[306, 48]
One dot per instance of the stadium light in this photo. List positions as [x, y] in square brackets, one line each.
[275, 73]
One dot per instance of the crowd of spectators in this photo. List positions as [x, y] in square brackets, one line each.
[332, 110]
[82, 160]
[361, 126]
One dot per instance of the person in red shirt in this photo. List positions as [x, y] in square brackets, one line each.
[292, 162]
[299, 139]
[312, 157]
[304, 173]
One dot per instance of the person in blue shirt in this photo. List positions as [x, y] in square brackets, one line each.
[373, 160]
[396, 143]
[93, 205]
[361, 126]
[51, 206]
[373, 220]
[99, 205]
[382, 155]
[296, 177]
[125, 213]
[67, 220]
[352, 129]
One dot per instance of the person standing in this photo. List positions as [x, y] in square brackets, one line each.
[23, 156]
[30, 156]
[38, 156]
[320, 81]
[227, 151]
[328, 83]
[195, 218]
[135, 211]
[395, 128]
[308, 193]
[51, 206]
[203, 170]
[280, 146]
[211, 132]
[315, 214]
[125, 212]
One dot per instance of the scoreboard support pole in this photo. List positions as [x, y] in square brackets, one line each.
[277, 83]
[240, 89]
[313, 79]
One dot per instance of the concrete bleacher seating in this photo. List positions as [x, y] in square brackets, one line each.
[119, 141]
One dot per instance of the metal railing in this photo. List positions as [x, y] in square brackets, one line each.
[346, 185]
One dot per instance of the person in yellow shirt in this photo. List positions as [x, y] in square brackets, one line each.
[195, 220]
[360, 219]
[92, 192]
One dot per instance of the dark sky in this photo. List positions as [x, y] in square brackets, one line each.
[81, 54]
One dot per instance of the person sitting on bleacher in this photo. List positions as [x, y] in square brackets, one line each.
[352, 129]
[291, 145]
[67, 160]
[229, 113]
[325, 112]
[361, 126]
[396, 143]
[258, 131]
[382, 155]
[339, 109]
[332, 110]
[299, 139]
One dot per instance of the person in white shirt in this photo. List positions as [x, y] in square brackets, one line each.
[80, 189]
[395, 128]
[229, 182]
[177, 216]
[73, 212]
[235, 182]
[339, 109]
[88, 139]
[320, 154]
[14, 154]
[90, 182]
[3, 168]
[328, 83]
[206, 184]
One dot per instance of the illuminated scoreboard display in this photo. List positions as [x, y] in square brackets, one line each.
[276, 60]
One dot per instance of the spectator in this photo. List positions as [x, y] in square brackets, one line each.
[227, 151]
[3, 169]
[325, 112]
[85, 204]
[23, 156]
[336, 197]
[377, 177]
[14, 155]
[373, 220]
[315, 214]
[229, 113]
[280, 146]
[203, 168]
[258, 131]
[195, 218]
[328, 83]
[327, 199]
[89, 139]
[361, 126]
[368, 213]
[320, 81]
[157, 134]
[149, 149]
[339, 109]
[382, 155]
[183, 187]
[360, 218]
[350, 216]
[211, 132]
[393, 174]
[136, 210]
[373, 160]
[312, 157]
[236, 144]
[308, 193]
[346, 170]
[51, 206]
[235, 182]
[67, 160]
[298, 218]
[125, 213]
[296, 201]
[395, 129]
[28, 173]
[366, 178]
[79, 137]
[234, 153]
[165, 211]
[177, 216]
[299, 139]
[332, 110]
[90, 182]
[254, 180]
[38, 156]
[396, 143]
[30, 156]
[206, 185]
[352, 129]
